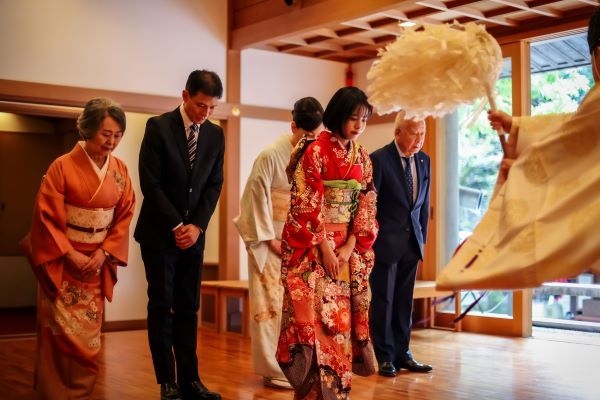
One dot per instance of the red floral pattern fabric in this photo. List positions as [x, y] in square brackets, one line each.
[325, 325]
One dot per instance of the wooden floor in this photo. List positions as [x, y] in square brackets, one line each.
[466, 366]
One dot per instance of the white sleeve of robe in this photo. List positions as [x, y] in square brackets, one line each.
[255, 222]
[533, 129]
[544, 223]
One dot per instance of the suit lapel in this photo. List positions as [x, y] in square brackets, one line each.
[420, 165]
[178, 131]
[399, 170]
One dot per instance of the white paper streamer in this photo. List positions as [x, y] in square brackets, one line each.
[432, 71]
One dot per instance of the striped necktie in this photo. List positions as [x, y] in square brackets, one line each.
[191, 142]
[409, 179]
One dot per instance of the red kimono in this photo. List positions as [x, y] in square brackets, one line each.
[325, 325]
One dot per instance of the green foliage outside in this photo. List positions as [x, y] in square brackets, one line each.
[479, 146]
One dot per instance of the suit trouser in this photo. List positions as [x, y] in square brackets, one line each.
[392, 287]
[173, 277]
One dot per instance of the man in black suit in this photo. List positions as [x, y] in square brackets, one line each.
[181, 175]
[402, 213]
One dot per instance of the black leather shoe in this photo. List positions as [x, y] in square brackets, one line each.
[387, 369]
[413, 365]
[169, 391]
[197, 391]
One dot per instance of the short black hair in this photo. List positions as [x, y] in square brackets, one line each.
[345, 102]
[307, 113]
[206, 82]
[593, 35]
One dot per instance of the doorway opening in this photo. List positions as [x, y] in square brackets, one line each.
[561, 75]
[28, 144]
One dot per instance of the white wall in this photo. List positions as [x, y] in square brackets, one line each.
[140, 46]
[277, 80]
[376, 136]
[360, 74]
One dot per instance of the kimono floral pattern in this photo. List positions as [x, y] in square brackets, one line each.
[325, 327]
[73, 198]
[119, 181]
[76, 313]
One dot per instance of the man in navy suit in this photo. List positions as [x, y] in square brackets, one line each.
[401, 174]
[181, 175]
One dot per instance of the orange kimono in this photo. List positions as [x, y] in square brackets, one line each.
[77, 208]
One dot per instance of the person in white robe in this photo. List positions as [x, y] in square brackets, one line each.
[542, 223]
[264, 207]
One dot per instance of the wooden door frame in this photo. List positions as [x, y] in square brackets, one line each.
[520, 322]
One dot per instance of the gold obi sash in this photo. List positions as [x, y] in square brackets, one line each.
[340, 200]
[88, 225]
[280, 200]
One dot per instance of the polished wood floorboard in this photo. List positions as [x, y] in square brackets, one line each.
[466, 366]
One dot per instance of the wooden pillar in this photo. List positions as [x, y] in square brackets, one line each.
[229, 242]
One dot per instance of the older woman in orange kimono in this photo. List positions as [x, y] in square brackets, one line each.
[327, 256]
[79, 234]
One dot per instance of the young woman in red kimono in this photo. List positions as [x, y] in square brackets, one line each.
[79, 234]
[327, 256]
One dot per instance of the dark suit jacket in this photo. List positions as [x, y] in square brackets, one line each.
[172, 192]
[398, 220]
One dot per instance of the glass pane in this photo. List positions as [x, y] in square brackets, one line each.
[479, 154]
[573, 302]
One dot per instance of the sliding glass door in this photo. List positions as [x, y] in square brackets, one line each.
[472, 153]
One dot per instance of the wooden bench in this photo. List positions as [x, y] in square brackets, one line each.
[426, 290]
[226, 306]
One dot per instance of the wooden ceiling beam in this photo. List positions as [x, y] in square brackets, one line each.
[336, 29]
[500, 11]
[539, 3]
[356, 38]
[427, 11]
[466, 11]
[590, 2]
[302, 19]
[571, 21]
[521, 5]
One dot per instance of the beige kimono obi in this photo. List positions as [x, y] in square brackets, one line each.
[88, 225]
[340, 199]
[280, 200]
